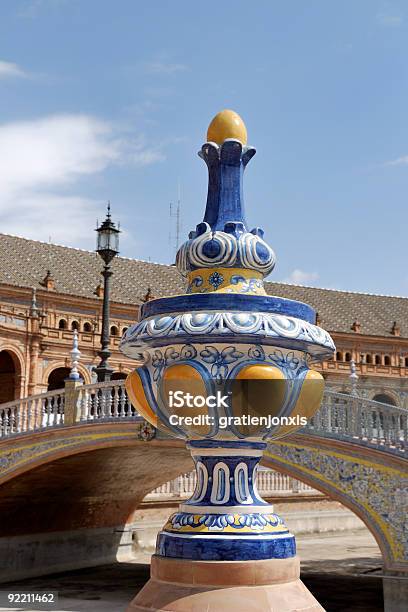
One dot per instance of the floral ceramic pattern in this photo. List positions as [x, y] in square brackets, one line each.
[220, 360]
[265, 325]
[225, 282]
[216, 279]
[378, 491]
[226, 523]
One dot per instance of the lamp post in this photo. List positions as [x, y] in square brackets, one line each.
[107, 247]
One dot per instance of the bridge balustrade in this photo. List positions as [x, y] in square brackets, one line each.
[368, 421]
[101, 401]
[341, 416]
[32, 413]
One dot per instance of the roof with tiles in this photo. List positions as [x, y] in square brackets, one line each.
[24, 263]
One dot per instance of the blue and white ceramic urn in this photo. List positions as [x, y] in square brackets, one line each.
[226, 367]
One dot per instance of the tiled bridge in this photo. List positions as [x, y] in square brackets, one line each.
[76, 463]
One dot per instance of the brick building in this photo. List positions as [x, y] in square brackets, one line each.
[36, 326]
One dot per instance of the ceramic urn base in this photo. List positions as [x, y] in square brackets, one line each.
[178, 585]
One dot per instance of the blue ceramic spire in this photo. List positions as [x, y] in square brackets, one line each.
[225, 199]
[222, 242]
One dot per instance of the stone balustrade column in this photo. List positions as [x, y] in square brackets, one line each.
[72, 409]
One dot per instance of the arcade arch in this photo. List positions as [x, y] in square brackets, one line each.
[56, 378]
[384, 398]
[118, 376]
[10, 376]
[57, 372]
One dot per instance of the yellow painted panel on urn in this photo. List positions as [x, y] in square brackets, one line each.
[308, 402]
[250, 282]
[186, 379]
[258, 391]
[138, 398]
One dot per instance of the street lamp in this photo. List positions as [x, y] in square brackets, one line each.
[107, 246]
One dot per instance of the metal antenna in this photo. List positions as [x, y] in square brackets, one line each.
[175, 214]
[178, 219]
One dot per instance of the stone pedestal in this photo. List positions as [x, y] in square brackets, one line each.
[395, 589]
[178, 585]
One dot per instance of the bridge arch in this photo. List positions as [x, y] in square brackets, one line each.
[84, 484]
[365, 480]
[362, 479]
[97, 473]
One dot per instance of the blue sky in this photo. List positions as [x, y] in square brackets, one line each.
[111, 100]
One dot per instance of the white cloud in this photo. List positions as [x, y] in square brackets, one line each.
[164, 68]
[400, 161]
[32, 8]
[299, 277]
[10, 70]
[41, 159]
[387, 20]
[53, 150]
[138, 153]
[63, 219]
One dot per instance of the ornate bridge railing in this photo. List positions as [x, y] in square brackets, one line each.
[102, 401]
[96, 402]
[341, 416]
[356, 419]
[32, 413]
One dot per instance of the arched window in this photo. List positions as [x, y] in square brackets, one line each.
[87, 327]
[114, 331]
[339, 356]
[406, 362]
[62, 324]
[9, 377]
[118, 376]
[369, 358]
[384, 398]
[378, 360]
[348, 357]
[75, 325]
[124, 330]
[387, 360]
[56, 378]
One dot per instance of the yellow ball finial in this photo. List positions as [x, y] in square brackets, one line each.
[227, 124]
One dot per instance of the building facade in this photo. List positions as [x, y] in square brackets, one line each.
[47, 291]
